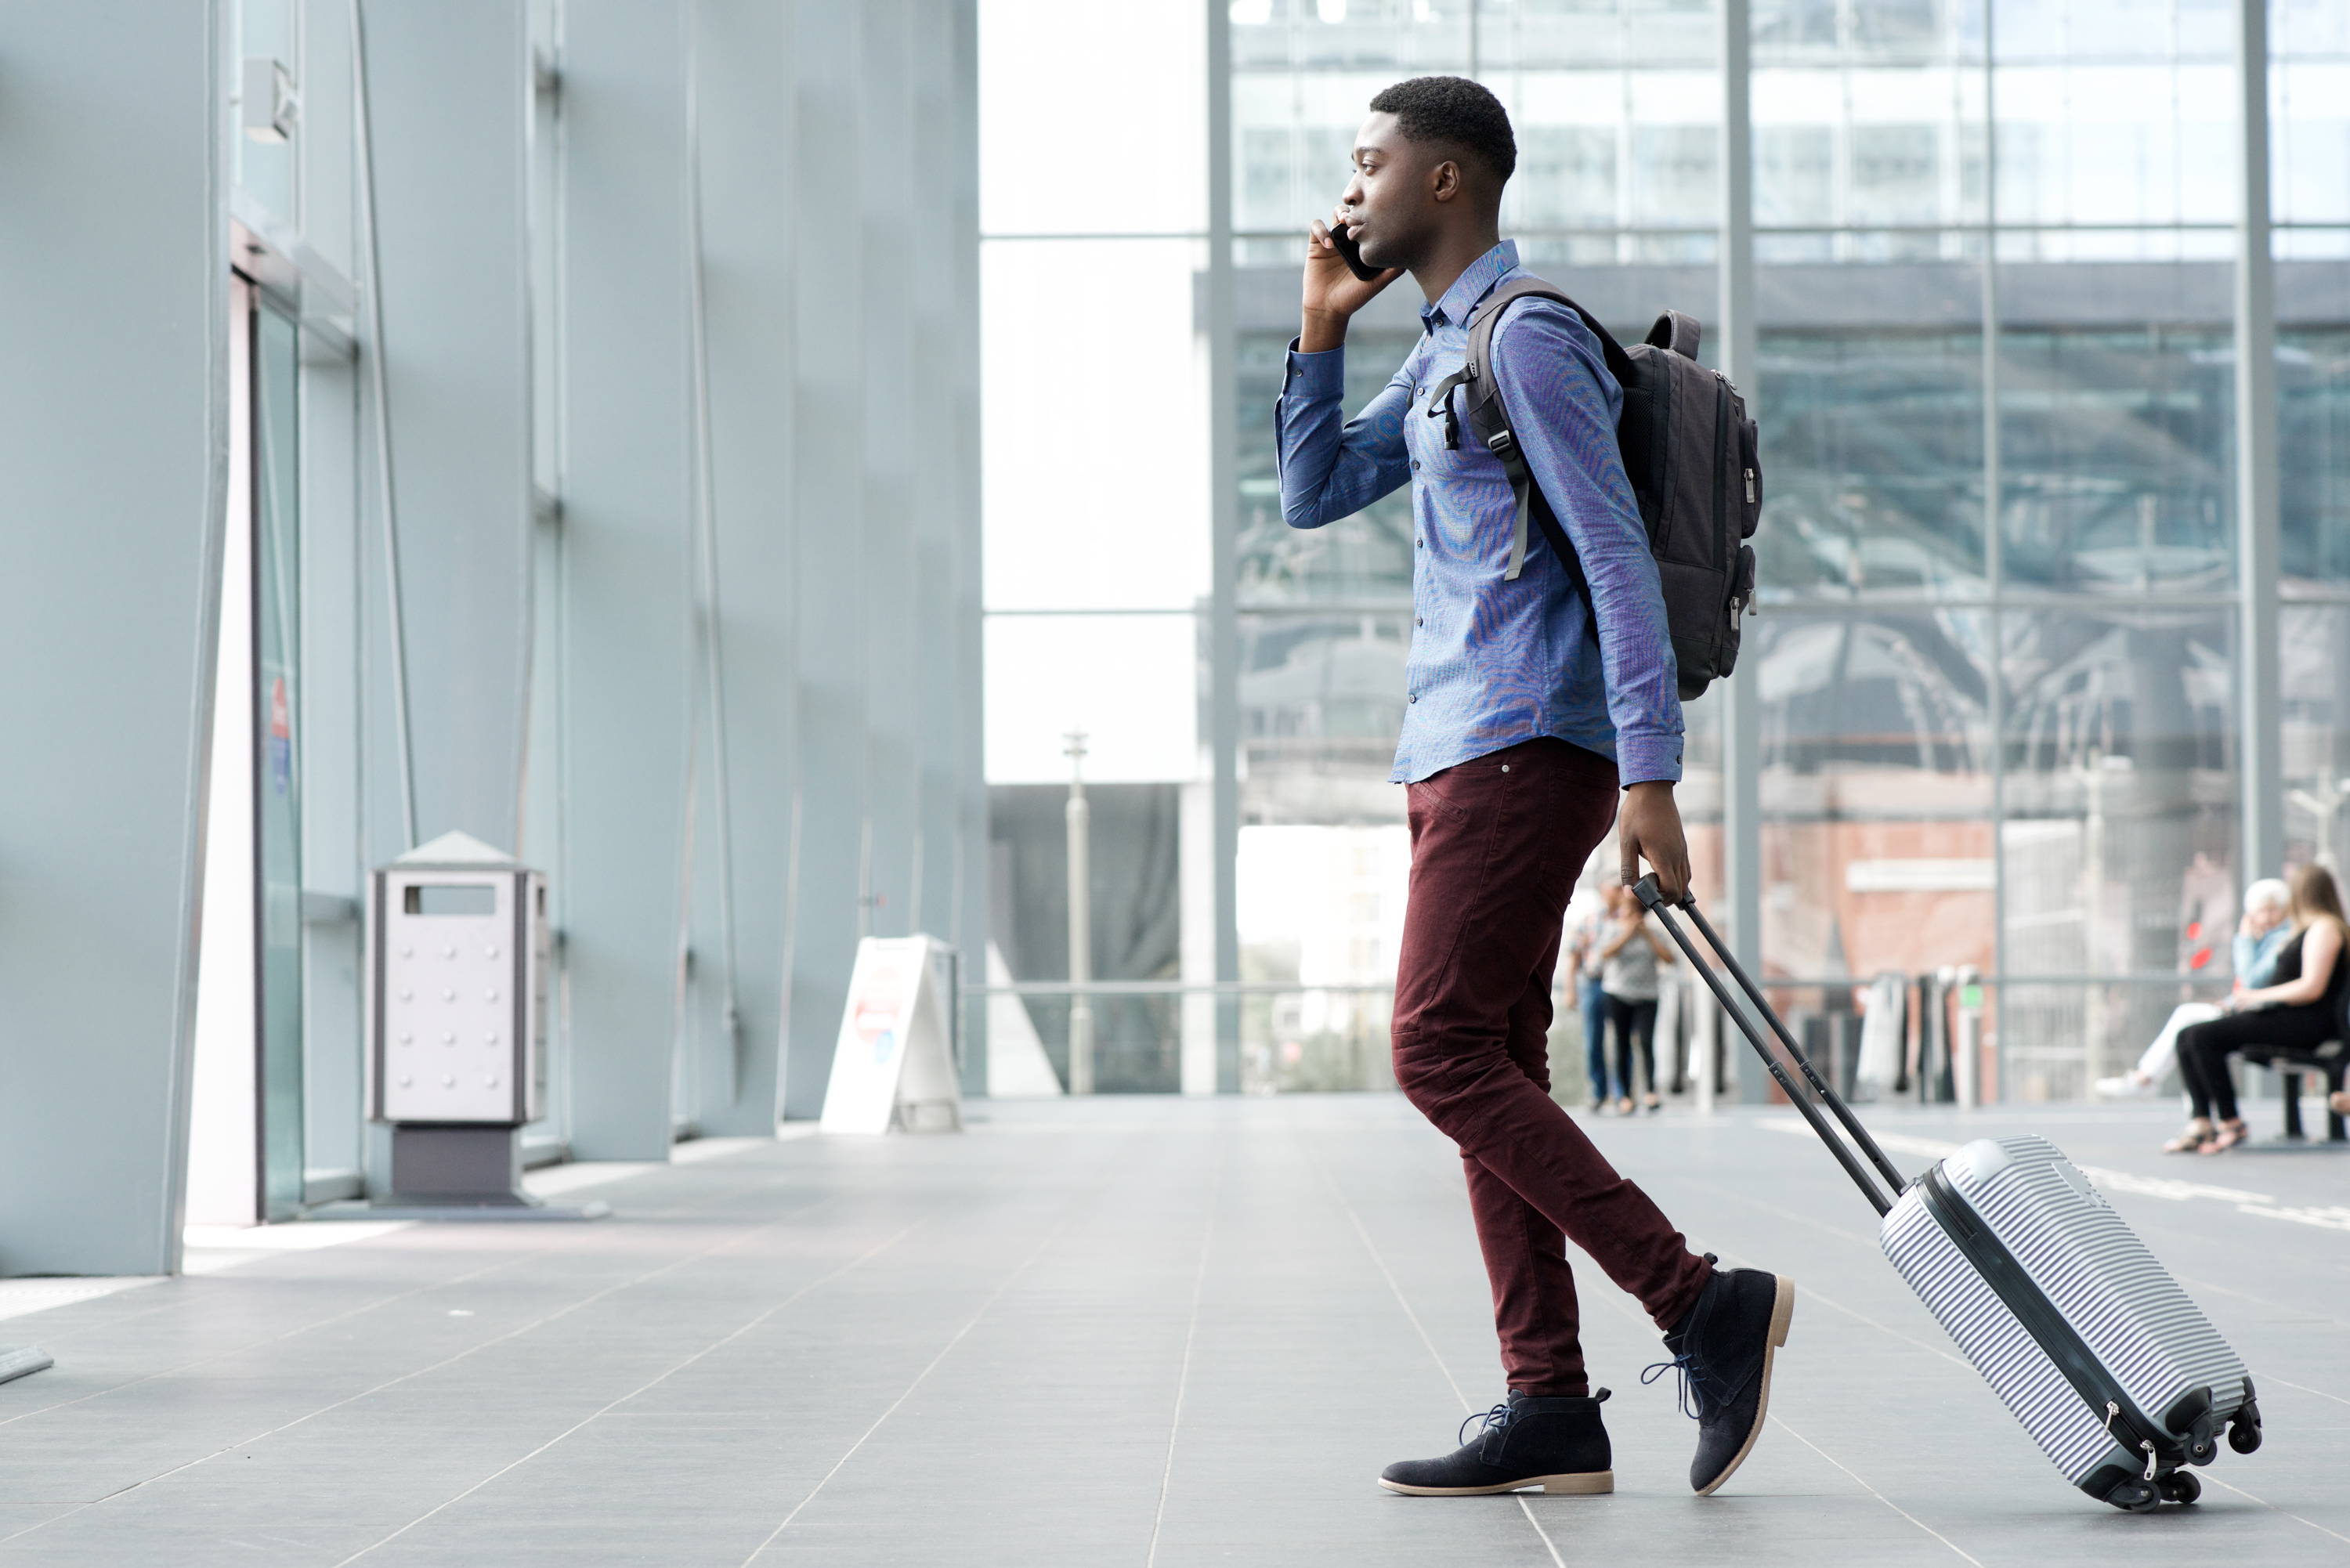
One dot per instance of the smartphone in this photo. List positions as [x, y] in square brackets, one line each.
[1352, 255]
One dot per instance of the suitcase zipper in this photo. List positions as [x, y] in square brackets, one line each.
[2112, 1414]
[2066, 1351]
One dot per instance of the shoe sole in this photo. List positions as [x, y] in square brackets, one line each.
[1591, 1483]
[1783, 1313]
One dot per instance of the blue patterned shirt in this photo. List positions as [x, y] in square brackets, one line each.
[1492, 662]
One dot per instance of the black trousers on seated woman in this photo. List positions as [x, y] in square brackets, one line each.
[2204, 1048]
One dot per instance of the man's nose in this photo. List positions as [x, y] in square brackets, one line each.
[1353, 195]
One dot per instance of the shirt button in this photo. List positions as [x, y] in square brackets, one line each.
[1415, 465]
[1420, 543]
[1415, 696]
[1418, 621]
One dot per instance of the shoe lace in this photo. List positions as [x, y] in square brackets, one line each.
[1492, 1419]
[1687, 1395]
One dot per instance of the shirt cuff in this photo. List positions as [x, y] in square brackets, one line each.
[1322, 375]
[1647, 759]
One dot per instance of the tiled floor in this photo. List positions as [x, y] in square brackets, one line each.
[1122, 1332]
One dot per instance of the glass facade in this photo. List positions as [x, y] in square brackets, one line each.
[1997, 669]
[1096, 500]
[278, 790]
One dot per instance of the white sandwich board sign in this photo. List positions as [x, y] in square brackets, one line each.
[893, 1066]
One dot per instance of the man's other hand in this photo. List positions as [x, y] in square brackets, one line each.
[1649, 828]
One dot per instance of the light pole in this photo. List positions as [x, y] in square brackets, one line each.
[1081, 921]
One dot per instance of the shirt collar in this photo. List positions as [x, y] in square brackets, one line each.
[1473, 284]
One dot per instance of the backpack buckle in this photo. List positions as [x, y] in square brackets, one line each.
[1500, 443]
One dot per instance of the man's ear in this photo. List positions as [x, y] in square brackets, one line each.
[1444, 181]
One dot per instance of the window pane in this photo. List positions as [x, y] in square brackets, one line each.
[2087, 136]
[1069, 146]
[2313, 435]
[2121, 828]
[1322, 698]
[2309, 125]
[2314, 644]
[1367, 556]
[1130, 682]
[2058, 1040]
[1875, 789]
[2115, 440]
[1322, 907]
[1408, 37]
[1872, 435]
[1133, 857]
[1095, 492]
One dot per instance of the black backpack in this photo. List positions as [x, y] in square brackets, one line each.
[1689, 452]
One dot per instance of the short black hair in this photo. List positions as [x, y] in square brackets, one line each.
[1454, 111]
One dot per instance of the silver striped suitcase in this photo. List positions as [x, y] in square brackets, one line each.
[2117, 1375]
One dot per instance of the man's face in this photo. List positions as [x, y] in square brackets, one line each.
[2265, 918]
[1392, 195]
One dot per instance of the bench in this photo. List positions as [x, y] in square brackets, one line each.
[2330, 1060]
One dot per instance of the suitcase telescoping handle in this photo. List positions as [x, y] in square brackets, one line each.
[1653, 899]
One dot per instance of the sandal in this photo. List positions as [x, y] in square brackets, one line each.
[2229, 1135]
[2197, 1134]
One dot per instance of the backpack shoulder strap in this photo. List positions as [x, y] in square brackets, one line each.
[1487, 318]
[1491, 420]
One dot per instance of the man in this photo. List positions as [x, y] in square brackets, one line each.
[2260, 935]
[1519, 725]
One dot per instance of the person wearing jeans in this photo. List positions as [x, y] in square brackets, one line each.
[1530, 709]
[1629, 954]
[1583, 930]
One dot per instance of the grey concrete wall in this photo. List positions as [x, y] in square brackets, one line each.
[747, 222]
[840, 238]
[449, 82]
[113, 426]
[626, 512]
[829, 496]
[961, 434]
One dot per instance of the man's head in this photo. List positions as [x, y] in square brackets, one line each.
[2266, 904]
[1433, 156]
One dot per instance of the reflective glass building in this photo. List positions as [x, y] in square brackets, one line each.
[2029, 690]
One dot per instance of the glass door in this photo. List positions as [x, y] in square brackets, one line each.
[277, 775]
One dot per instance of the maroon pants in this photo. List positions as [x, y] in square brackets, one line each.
[1496, 846]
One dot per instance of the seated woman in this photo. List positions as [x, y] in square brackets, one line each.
[2260, 936]
[2302, 1007]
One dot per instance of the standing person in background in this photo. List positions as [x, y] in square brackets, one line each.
[1531, 707]
[2260, 935]
[1586, 918]
[1628, 956]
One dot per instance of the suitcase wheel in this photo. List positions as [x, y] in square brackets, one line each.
[2178, 1486]
[2245, 1436]
[2134, 1496]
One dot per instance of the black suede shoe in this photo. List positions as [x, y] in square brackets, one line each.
[1551, 1441]
[1722, 1348]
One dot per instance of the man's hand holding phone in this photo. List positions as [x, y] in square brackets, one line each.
[1335, 290]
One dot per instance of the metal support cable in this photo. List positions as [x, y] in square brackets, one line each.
[363, 129]
[705, 521]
